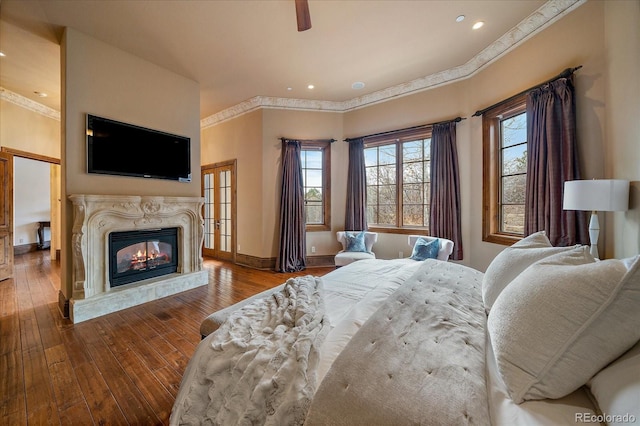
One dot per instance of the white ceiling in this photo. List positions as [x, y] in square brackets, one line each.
[241, 49]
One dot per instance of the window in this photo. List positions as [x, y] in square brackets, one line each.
[398, 182]
[316, 178]
[505, 171]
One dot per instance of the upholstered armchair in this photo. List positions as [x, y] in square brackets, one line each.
[352, 249]
[446, 246]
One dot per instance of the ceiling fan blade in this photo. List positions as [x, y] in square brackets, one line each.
[302, 15]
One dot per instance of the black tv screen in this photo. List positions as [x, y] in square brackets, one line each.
[116, 148]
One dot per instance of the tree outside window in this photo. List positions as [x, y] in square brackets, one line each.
[315, 164]
[504, 171]
[514, 172]
[416, 182]
[398, 183]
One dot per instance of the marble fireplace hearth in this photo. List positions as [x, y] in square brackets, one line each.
[96, 216]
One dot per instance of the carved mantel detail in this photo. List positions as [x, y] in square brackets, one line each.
[96, 216]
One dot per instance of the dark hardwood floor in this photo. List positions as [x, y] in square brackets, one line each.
[122, 368]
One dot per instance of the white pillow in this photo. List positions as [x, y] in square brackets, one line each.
[561, 321]
[511, 261]
[616, 388]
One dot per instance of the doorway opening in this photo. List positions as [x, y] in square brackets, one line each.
[19, 191]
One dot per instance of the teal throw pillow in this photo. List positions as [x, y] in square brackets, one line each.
[425, 249]
[355, 242]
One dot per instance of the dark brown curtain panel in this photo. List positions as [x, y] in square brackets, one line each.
[553, 159]
[444, 211]
[356, 209]
[292, 251]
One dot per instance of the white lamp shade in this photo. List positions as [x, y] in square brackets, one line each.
[605, 195]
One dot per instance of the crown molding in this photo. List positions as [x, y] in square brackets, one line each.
[21, 101]
[269, 102]
[547, 14]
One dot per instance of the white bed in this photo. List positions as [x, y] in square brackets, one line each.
[352, 294]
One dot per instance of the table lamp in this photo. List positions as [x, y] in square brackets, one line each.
[606, 195]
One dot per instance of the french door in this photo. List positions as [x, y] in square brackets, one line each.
[219, 192]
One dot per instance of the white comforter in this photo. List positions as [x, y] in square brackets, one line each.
[352, 294]
[419, 359]
[259, 367]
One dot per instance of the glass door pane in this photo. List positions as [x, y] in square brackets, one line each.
[225, 210]
[209, 209]
[218, 212]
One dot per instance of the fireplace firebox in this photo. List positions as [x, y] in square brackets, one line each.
[139, 255]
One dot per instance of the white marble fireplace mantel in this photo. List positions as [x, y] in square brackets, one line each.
[96, 216]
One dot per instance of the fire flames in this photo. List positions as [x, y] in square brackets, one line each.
[141, 260]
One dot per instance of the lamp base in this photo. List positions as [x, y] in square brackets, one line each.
[594, 232]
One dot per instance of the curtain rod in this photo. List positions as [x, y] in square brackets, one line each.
[390, 132]
[564, 74]
[307, 140]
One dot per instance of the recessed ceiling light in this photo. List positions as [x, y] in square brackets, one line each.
[2, 54]
[460, 18]
[477, 25]
[357, 85]
[41, 94]
[311, 86]
[289, 88]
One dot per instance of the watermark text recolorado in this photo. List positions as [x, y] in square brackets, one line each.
[605, 418]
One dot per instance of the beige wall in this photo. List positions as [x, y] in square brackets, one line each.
[576, 39]
[25, 130]
[241, 140]
[600, 36]
[254, 141]
[430, 106]
[28, 131]
[622, 114]
[100, 79]
[301, 125]
[31, 199]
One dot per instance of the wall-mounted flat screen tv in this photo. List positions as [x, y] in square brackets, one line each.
[116, 148]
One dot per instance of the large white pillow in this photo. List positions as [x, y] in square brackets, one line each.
[561, 321]
[511, 261]
[616, 388]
